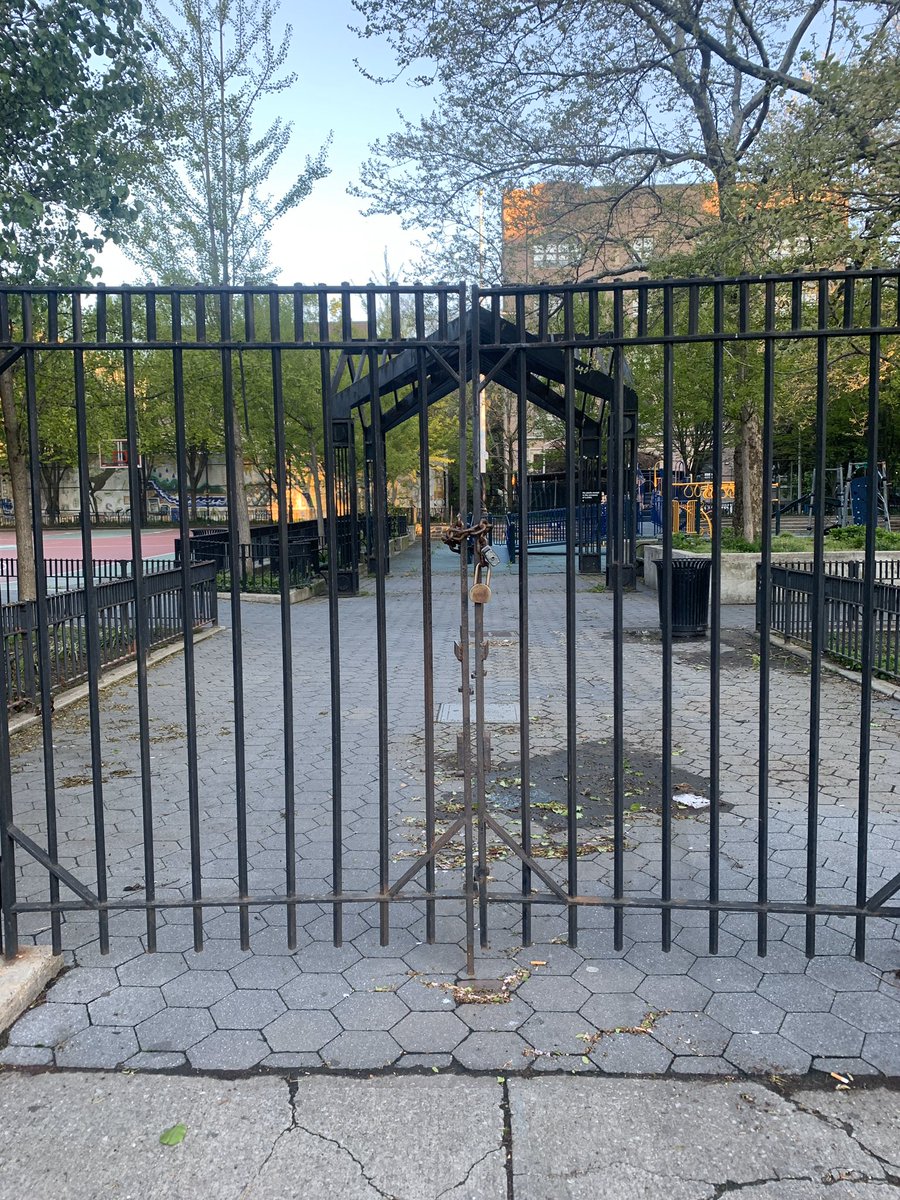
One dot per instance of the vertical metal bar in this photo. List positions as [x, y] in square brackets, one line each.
[762, 920]
[334, 633]
[427, 615]
[43, 620]
[666, 584]
[10, 924]
[190, 692]
[465, 318]
[868, 589]
[141, 629]
[92, 623]
[235, 552]
[715, 630]
[524, 689]
[615, 509]
[573, 493]
[381, 557]
[482, 871]
[381, 540]
[284, 590]
[817, 631]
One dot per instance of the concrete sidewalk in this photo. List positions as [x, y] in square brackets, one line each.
[80, 1136]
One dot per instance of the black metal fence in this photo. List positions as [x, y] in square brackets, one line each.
[795, 591]
[114, 628]
[381, 356]
[63, 574]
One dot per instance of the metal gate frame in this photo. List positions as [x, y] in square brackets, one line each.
[445, 325]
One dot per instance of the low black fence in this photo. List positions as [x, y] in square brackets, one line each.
[792, 612]
[64, 574]
[116, 621]
[260, 565]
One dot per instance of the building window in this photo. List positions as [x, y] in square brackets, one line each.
[555, 252]
[642, 249]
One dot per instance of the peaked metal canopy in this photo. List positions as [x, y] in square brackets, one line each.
[499, 341]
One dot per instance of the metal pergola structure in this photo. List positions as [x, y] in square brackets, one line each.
[406, 375]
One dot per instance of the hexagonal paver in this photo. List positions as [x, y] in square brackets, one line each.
[557, 1033]
[175, 1030]
[218, 954]
[611, 975]
[630, 1054]
[726, 974]
[49, 1025]
[745, 1012]
[796, 993]
[315, 991]
[556, 993]
[81, 985]
[689, 1064]
[822, 1033]
[429, 1033]
[370, 1010]
[150, 1061]
[369, 974]
[197, 989]
[492, 1052]
[263, 971]
[102, 1046]
[882, 1050]
[691, 1033]
[152, 970]
[26, 1056]
[676, 993]
[495, 1017]
[621, 1010]
[126, 1006]
[361, 1050]
[843, 974]
[419, 997]
[650, 958]
[228, 1050]
[301, 1031]
[779, 957]
[246, 1009]
[761, 1054]
[321, 957]
[872, 1012]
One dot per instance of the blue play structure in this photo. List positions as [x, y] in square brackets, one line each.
[547, 530]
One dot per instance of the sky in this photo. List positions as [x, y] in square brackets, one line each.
[327, 239]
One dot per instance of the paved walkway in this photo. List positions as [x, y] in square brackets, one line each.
[364, 1006]
[86, 1136]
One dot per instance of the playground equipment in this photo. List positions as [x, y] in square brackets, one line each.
[846, 495]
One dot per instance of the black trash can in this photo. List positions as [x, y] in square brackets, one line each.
[690, 596]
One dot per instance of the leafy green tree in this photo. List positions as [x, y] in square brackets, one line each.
[208, 213]
[75, 116]
[615, 94]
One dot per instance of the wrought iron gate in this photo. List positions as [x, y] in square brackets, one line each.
[590, 358]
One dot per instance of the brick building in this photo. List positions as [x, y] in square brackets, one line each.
[556, 232]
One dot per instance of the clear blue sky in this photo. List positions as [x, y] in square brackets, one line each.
[327, 240]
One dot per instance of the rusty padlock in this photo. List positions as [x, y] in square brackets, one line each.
[480, 591]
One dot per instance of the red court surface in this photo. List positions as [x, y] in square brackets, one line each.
[106, 543]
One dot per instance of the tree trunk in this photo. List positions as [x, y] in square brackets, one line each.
[748, 498]
[20, 480]
[242, 515]
[317, 489]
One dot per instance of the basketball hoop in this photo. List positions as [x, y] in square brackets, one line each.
[113, 454]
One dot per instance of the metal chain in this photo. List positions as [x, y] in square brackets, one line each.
[457, 533]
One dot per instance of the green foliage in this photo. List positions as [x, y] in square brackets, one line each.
[75, 115]
[208, 210]
[853, 537]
